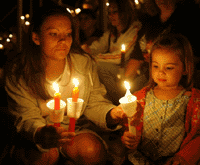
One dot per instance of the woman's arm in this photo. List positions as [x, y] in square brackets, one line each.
[98, 46]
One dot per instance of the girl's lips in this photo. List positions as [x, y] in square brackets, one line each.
[163, 80]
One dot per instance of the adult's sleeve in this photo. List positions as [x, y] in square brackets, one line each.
[98, 106]
[24, 110]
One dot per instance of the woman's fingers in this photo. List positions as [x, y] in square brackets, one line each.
[67, 135]
[64, 141]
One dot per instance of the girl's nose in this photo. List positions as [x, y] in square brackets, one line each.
[161, 71]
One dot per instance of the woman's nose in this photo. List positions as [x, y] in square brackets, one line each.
[62, 38]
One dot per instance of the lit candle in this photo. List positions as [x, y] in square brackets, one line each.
[75, 92]
[57, 97]
[129, 105]
[137, 4]
[75, 95]
[123, 56]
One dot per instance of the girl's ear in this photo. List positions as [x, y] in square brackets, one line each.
[35, 38]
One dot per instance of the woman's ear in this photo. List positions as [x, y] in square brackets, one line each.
[35, 38]
[185, 73]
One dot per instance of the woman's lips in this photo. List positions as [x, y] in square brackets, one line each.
[60, 49]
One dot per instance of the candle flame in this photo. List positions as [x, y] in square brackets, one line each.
[123, 47]
[76, 82]
[127, 85]
[56, 87]
[136, 2]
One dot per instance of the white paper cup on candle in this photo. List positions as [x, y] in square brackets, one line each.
[129, 105]
[74, 108]
[132, 128]
[56, 116]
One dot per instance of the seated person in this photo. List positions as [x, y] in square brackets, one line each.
[89, 31]
[52, 55]
[167, 121]
[124, 27]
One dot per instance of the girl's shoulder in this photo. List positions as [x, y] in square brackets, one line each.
[195, 94]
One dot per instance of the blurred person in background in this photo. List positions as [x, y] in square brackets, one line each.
[123, 29]
[89, 31]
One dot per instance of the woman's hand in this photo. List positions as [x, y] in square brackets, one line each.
[117, 114]
[86, 48]
[131, 141]
[51, 137]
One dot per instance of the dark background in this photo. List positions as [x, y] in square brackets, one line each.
[8, 11]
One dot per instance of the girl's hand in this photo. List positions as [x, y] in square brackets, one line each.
[51, 137]
[176, 160]
[131, 141]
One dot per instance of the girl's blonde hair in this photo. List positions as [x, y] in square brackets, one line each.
[181, 45]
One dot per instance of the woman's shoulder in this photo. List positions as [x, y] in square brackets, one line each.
[81, 61]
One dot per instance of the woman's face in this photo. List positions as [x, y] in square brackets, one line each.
[113, 14]
[55, 38]
[86, 21]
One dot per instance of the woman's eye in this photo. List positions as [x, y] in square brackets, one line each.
[170, 68]
[53, 34]
[69, 34]
[155, 66]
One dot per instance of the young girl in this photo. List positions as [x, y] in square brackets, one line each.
[52, 55]
[168, 131]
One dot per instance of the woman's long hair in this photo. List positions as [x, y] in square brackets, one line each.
[127, 16]
[29, 65]
[181, 45]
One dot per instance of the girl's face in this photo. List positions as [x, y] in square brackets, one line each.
[167, 68]
[55, 38]
[113, 14]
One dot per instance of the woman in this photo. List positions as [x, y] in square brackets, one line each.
[123, 30]
[51, 56]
